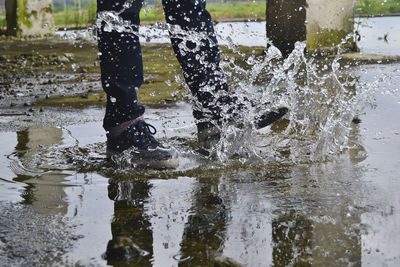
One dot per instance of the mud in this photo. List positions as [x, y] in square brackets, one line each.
[45, 72]
[40, 69]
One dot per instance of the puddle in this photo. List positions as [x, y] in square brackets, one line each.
[314, 188]
[344, 210]
[373, 31]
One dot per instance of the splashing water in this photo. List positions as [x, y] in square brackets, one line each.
[323, 96]
[321, 106]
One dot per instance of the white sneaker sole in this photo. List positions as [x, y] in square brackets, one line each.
[171, 163]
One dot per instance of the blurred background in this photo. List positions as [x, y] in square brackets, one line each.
[81, 13]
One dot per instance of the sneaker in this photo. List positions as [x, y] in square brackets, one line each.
[270, 117]
[146, 152]
[209, 134]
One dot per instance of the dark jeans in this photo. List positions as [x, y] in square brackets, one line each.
[195, 46]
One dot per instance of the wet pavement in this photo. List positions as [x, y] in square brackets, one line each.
[313, 189]
[343, 211]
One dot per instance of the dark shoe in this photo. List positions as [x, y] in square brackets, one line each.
[209, 134]
[270, 117]
[267, 117]
[144, 149]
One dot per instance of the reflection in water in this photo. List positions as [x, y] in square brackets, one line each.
[43, 193]
[302, 240]
[160, 217]
[291, 237]
[34, 233]
[204, 232]
[169, 208]
[256, 214]
[274, 214]
[130, 222]
[271, 214]
[304, 215]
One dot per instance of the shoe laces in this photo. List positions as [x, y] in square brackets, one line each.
[141, 135]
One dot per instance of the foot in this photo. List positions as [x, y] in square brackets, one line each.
[270, 117]
[209, 133]
[144, 149]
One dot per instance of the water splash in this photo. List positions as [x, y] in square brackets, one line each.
[323, 95]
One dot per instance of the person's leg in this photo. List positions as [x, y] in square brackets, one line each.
[196, 47]
[121, 75]
[120, 63]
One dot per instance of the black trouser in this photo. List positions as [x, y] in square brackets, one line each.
[195, 45]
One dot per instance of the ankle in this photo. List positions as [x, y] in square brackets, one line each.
[123, 127]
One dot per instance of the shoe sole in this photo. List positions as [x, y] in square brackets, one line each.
[271, 117]
[208, 138]
[171, 163]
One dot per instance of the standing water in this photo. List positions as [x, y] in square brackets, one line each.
[318, 187]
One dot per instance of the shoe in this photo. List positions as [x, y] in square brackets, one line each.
[145, 150]
[209, 134]
[270, 117]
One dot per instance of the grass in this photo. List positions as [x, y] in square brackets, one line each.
[163, 76]
[376, 7]
[237, 10]
[151, 14]
[73, 17]
[2, 17]
[219, 11]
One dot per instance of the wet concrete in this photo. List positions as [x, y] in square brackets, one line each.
[278, 208]
[343, 211]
